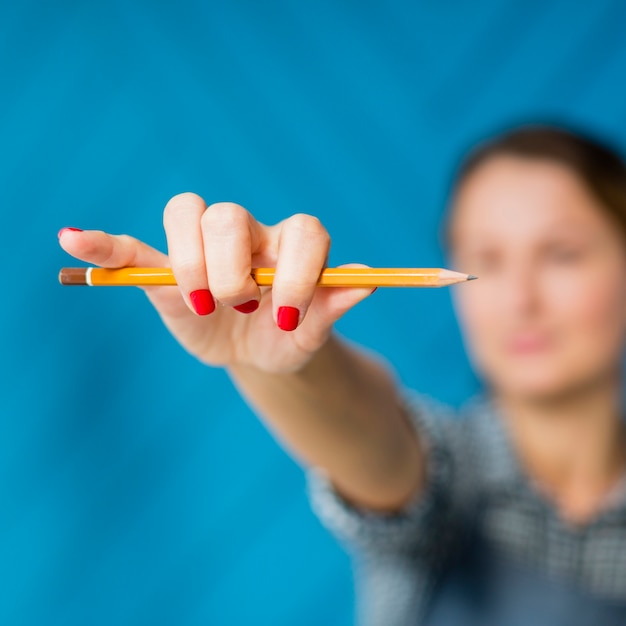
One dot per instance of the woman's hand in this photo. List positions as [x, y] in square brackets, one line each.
[217, 312]
[340, 410]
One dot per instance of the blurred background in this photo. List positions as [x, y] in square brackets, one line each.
[136, 487]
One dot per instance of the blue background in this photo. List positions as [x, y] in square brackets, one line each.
[135, 486]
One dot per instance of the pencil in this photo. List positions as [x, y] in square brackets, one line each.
[264, 277]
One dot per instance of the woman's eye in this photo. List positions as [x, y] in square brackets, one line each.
[564, 255]
[483, 264]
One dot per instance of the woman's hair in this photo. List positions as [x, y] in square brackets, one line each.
[598, 166]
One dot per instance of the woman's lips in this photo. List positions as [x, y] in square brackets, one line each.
[528, 344]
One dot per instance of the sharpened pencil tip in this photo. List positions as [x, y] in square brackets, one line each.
[471, 277]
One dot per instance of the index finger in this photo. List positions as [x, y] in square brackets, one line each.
[99, 248]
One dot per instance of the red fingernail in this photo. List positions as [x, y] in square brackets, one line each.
[76, 230]
[287, 318]
[202, 301]
[247, 307]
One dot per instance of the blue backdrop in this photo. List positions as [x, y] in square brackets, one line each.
[135, 486]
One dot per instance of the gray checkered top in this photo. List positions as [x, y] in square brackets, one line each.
[475, 487]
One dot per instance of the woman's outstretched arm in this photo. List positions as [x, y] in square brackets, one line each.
[334, 406]
[342, 412]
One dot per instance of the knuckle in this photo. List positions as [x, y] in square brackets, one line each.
[310, 224]
[119, 250]
[128, 247]
[305, 221]
[224, 217]
[226, 206]
[126, 240]
[182, 202]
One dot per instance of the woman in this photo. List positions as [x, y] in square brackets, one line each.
[517, 512]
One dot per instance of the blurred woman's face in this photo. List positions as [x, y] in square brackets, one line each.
[547, 315]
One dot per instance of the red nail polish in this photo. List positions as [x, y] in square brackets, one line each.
[247, 307]
[202, 301]
[76, 230]
[287, 318]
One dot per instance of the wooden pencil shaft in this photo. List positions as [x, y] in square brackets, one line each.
[264, 277]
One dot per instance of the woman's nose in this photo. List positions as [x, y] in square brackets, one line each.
[518, 292]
